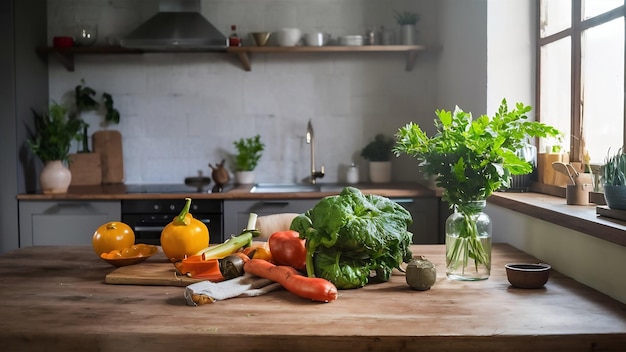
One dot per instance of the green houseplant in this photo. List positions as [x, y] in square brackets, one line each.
[614, 179]
[406, 17]
[378, 152]
[470, 159]
[84, 99]
[407, 21]
[102, 164]
[249, 152]
[380, 149]
[54, 133]
[50, 142]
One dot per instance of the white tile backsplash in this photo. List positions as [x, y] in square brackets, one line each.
[181, 112]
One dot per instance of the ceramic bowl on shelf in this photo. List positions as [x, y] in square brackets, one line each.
[523, 275]
[351, 40]
[63, 42]
[288, 36]
[260, 38]
[316, 38]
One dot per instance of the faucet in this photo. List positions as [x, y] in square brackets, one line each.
[310, 139]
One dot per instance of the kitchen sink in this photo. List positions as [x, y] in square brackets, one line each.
[295, 187]
[284, 187]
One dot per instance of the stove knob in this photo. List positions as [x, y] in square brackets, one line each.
[194, 207]
[172, 207]
[156, 207]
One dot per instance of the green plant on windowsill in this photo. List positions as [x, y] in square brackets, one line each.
[249, 152]
[614, 169]
[614, 179]
[379, 149]
[54, 132]
[472, 158]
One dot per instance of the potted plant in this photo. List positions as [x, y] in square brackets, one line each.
[407, 21]
[471, 158]
[378, 152]
[50, 142]
[249, 152]
[614, 180]
[100, 165]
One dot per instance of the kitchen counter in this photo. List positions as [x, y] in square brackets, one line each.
[55, 299]
[119, 191]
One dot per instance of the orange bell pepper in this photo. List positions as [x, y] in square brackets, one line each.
[194, 266]
[198, 268]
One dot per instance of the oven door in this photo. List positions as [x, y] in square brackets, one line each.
[148, 227]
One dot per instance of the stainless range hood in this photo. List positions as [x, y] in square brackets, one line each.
[178, 26]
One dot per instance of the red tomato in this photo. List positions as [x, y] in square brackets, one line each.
[288, 248]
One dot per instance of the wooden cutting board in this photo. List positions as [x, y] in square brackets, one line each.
[147, 273]
[109, 145]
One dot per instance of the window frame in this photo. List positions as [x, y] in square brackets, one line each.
[578, 26]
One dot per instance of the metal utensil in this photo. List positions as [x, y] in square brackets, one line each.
[564, 168]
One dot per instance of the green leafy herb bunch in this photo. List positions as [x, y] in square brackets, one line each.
[471, 158]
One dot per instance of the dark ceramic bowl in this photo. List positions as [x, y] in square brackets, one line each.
[523, 275]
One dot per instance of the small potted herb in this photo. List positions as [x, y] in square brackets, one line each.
[378, 152]
[614, 180]
[249, 152]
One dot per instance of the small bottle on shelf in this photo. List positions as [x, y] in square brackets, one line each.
[352, 175]
[233, 39]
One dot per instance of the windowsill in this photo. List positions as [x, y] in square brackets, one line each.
[582, 218]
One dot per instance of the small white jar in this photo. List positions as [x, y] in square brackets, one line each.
[352, 176]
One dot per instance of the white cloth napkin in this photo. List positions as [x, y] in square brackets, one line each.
[247, 285]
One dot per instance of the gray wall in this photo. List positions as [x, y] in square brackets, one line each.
[183, 111]
[23, 84]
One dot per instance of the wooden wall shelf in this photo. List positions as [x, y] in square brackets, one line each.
[66, 55]
[244, 53]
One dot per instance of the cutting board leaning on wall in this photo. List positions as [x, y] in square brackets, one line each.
[109, 145]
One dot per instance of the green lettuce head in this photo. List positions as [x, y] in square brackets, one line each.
[350, 235]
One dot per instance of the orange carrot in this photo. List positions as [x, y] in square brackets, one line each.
[292, 280]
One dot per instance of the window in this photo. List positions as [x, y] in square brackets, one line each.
[580, 88]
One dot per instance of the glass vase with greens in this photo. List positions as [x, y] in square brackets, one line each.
[470, 159]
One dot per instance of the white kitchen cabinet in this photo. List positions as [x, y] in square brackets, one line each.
[236, 212]
[64, 222]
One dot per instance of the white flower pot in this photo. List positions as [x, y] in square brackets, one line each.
[244, 177]
[380, 171]
[55, 177]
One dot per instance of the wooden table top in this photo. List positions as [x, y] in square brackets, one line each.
[55, 299]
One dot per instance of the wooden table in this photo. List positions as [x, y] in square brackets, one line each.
[55, 299]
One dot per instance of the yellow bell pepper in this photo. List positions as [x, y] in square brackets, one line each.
[184, 236]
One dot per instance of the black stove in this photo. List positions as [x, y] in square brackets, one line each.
[148, 216]
[173, 188]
